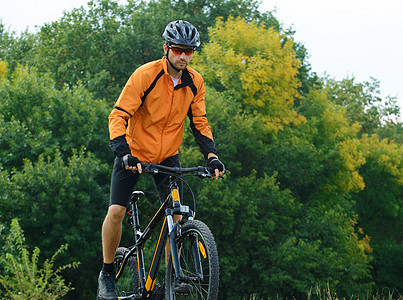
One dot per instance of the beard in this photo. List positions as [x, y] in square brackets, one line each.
[176, 62]
[180, 65]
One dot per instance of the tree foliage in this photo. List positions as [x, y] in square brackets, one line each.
[380, 207]
[362, 102]
[100, 46]
[295, 184]
[256, 65]
[53, 146]
[39, 119]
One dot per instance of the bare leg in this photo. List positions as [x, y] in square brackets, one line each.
[112, 231]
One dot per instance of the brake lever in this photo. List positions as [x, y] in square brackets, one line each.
[212, 173]
[205, 172]
[149, 168]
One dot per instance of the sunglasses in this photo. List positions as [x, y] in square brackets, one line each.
[179, 51]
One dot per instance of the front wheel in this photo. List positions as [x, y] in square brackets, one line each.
[195, 235]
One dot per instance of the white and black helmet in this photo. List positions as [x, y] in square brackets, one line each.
[181, 33]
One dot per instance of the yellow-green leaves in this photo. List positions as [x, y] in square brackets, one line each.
[387, 156]
[336, 142]
[257, 65]
[3, 70]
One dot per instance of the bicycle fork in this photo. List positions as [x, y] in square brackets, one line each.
[174, 231]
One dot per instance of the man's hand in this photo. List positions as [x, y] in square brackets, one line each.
[130, 162]
[218, 167]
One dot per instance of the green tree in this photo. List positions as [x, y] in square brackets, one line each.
[101, 44]
[362, 102]
[335, 142]
[392, 131]
[249, 217]
[380, 208]
[257, 66]
[60, 203]
[16, 49]
[85, 46]
[39, 119]
[53, 147]
[295, 230]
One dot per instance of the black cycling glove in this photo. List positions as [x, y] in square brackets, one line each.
[129, 161]
[215, 163]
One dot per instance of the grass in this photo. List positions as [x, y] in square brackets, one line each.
[319, 293]
[327, 294]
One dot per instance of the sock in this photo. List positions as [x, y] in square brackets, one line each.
[108, 268]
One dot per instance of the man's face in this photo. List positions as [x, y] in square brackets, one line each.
[177, 56]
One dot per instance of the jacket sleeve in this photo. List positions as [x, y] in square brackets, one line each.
[199, 124]
[125, 107]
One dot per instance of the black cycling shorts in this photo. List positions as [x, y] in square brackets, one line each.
[123, 181]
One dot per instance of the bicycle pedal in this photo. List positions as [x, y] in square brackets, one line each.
[183, 289]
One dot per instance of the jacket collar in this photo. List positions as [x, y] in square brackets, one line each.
[186, 78]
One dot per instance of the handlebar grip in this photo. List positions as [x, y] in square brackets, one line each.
[210, 169]
[154, 168]
[198, 171]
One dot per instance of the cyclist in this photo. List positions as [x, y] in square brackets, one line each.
[146, 125]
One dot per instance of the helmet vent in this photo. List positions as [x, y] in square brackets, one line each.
[181, 33]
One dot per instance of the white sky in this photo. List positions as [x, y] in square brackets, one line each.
[344, 38]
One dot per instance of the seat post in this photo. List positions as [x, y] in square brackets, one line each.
[136, 221]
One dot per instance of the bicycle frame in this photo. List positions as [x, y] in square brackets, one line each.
[170, 207]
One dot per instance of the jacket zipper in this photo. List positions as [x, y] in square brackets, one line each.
[166, 122]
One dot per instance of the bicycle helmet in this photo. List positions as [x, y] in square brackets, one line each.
[181, 33]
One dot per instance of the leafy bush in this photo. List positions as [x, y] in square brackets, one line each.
[24, 279]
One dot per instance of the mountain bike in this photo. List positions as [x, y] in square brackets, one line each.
[192, 270]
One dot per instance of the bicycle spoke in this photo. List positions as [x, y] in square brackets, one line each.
[194, 231]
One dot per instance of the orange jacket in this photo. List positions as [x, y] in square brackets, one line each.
[148, 118]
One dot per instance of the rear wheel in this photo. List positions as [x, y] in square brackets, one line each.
[128, 282]
[195, 233]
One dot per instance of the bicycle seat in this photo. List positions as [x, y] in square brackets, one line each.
[136, 195]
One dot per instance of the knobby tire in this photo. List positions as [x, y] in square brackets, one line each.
[208, 289]
[128, 282]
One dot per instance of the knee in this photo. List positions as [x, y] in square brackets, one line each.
[116, 213]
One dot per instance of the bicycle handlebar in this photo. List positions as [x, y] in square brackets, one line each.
[203, 172]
